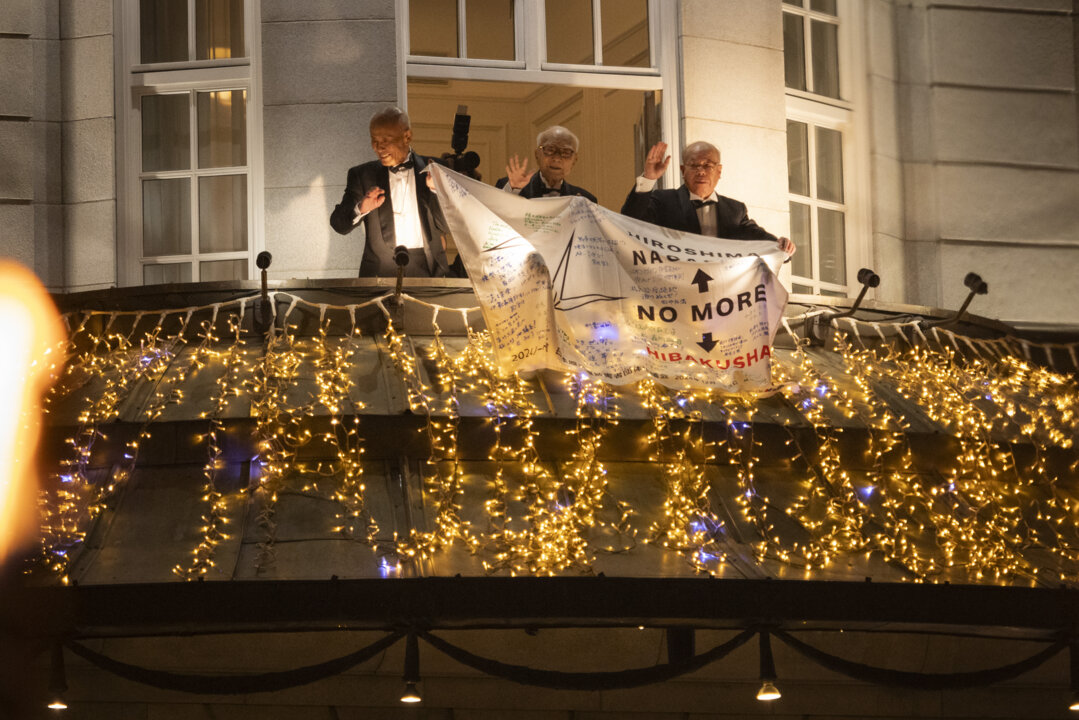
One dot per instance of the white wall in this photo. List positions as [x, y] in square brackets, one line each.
[57, 141]
[732, 72]
[971, 118]
[326, 68]
[88, 143]
[989, 142]
[16, 132]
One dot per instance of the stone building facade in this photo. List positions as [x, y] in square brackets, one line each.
[955, 124]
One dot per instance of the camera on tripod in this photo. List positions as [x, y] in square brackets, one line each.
[459, 160]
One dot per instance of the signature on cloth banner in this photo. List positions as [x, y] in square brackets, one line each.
[569, 285]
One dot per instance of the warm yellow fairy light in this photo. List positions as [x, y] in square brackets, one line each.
[214, 520]
[975, 517]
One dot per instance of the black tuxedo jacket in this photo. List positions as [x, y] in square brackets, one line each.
[673, 209]
[535, 188]
[377, 258]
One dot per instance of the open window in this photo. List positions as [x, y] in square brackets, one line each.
[598, 67]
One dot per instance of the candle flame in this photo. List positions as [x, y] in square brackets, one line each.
[30, 332]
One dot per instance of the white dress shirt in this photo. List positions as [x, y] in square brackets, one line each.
[407, 229]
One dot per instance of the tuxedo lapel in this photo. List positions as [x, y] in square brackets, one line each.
[687, 212]
[385, 210]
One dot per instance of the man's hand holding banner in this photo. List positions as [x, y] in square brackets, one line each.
[569, 285]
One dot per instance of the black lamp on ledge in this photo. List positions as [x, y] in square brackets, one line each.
[411, 677]
[57, 679]
[768, 691]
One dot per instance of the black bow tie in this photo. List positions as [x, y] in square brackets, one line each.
[406, 165]
[702, 203]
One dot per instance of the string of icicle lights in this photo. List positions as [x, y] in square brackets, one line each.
[1000, 508]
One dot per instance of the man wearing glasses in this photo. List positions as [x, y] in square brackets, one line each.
[695, 207]
[556, 154]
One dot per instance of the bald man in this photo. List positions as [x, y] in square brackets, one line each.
[392, 199]
[694, 207]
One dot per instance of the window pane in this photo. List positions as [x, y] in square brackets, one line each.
[824, 6]
[794, 51]
[163, 31]
[222, 128]
[166, 217]
[489, 26]
[569, 32]
[168, 273]
[825, 59]
[829, 164]
[166, 139]
[801, 236]
[624, 24]
[802, 289]
[833, 252]
[794, 2]
[223, 213]
[432, 28]
[219, 29]
[222, 270]
[798, 157]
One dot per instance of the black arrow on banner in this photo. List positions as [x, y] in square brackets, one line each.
[701, 280]
[707, 342]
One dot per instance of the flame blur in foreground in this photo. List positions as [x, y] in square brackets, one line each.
[30, 333]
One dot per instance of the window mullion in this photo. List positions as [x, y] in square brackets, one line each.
[536, 34]
[521, 44]
[462, 29]
[814, 227]
[597, 32]
[814, 245]
[194, 180]
[807, 40]
[191, 30]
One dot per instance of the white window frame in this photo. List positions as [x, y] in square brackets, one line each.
[134, 81]
[854, 127]
[531, 66]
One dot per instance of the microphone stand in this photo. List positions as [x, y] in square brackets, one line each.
[401, 257]
[263, 312]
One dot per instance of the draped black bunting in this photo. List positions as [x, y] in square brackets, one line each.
[558, 680]
[616, 680]
[234, 684]
[916, 680]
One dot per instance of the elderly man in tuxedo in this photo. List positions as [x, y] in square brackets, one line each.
[397, 206]
[556, 154]
[694, 207]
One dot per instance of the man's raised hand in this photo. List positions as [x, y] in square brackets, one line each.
[517, 172]
[373, 199]
[656, 162]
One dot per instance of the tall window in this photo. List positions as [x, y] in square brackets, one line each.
[602, 68]
[811, 46]
[188, 170]
[818, 213]
[819, 126]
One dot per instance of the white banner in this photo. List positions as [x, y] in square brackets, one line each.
[569, 285]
